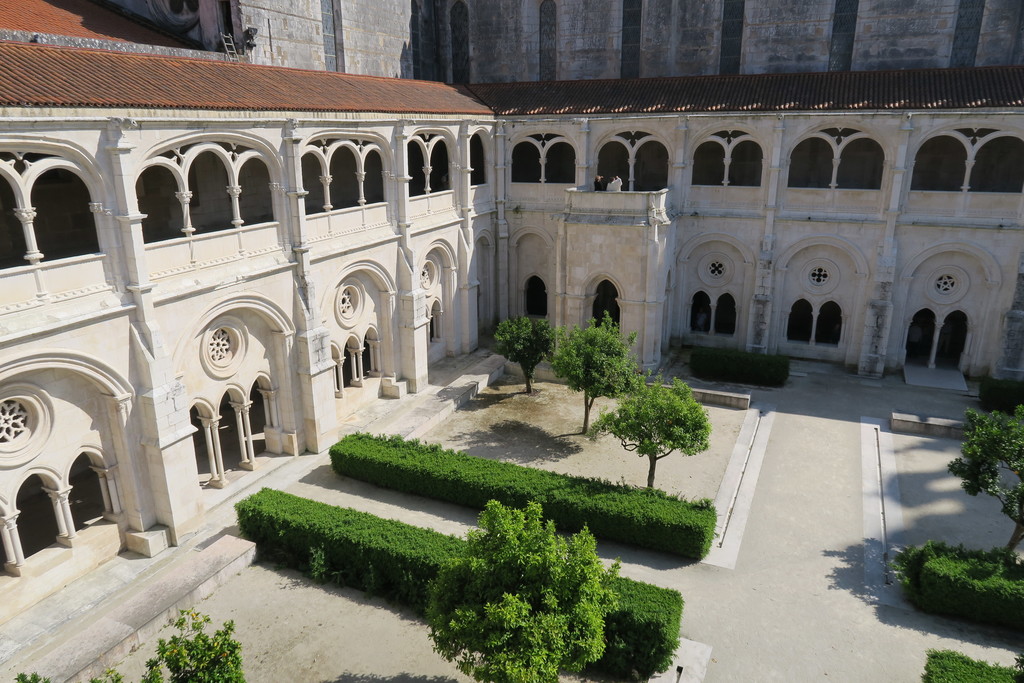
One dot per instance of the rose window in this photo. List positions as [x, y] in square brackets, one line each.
[945, 284]
[426, 276]
[220, 346]
[13, 421]
[818, 276]
[716, 269]
[346, 305]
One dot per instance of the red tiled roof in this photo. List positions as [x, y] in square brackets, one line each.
[45, 75]
[80, 19]
[850, 90]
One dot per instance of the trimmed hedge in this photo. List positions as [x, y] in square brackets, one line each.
[397, 561]
[731, 365]
[1003, 395]
[983, 585]
[643, 517]
[948, 666]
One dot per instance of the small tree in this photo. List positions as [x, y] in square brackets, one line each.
[194, 657]
[521, 602]
[992, 462]
[526, 341]
[596, 360]
[657, 420]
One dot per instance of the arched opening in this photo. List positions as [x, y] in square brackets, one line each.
[417, 179]
[210, 206]
[525, 163]
[606, 301]
[536, 297]
[920, 335]
[204, 450]
[709, 164]
[255, 203]
[613, 160]
[435, 322]
[459, 26]
[373, 178]
[560, 163]
[700, 312]
[548, 57]
[156, 189]
[940, 165]
[259, 417]
[12, 235]
[811, 164]
[860, 165]
[999, 166]
[86, 497]
[371, 353]
[231, 453]
[650, 169]
[311, 183]
[745, 164]
[339, 370]
[64, 225]
[344, 182]
[725, 315]
[952, 339]
[829, 327]
[348, 366]
[37, 523]
[439, 180]
[477, 161]
[801, 320]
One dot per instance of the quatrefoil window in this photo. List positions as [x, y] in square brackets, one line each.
[818, 276]
[220, 347]
[716, 269]
[945, 283]
[14, 417]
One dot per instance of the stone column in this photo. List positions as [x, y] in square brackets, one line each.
[234, 191]
[12, 542]
[62, 512]
[26, 217]
[244, 428]
[501, 225]
[326, 181]
[210, 427]
[185, 200]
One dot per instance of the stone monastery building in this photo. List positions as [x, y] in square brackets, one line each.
[210, 258]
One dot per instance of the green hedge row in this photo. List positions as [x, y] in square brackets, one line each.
[983, 585]
[397, 561]
[643, 517]
[731, 365]
[1003, 395]
[947, 666]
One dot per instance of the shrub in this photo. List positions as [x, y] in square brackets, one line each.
[731, 365]
[398, 561]
[1003, 395]
[947, 666]
[983, 585]
[645, 517]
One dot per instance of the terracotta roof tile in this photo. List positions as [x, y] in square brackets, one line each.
[79, 19]
[852, 90]
[45, 75]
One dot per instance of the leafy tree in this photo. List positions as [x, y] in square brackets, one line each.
[192, 656]
[596, 360]
[992, 462]
[657, 420]
[521, 602]
[525, 341]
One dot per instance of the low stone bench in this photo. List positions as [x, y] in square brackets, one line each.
[927, 426]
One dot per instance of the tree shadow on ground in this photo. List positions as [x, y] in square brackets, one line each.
[516, 441]
[848, 575]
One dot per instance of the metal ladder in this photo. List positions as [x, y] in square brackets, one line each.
[229, 46]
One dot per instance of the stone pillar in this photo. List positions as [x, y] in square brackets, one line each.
[234, 191]
[62, 512]
[12, 542]
[326, 181]
[26, 217]
[210, 427]
[501, 225]
[185, 200]
[244, 428]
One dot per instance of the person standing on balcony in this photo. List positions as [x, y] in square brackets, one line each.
[599, 184]
[615, 184]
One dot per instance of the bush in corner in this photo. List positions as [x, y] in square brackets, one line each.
[731, 365]
[1003, 395]
[948, 666]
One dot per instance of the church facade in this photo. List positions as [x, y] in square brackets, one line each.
[208, 264]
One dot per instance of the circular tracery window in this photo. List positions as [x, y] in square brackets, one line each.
[223, 347]
[945, 284]
[14, 419]
[428, 275]
[220, 347]
[25, 420]
[716, 269]
[818, 276]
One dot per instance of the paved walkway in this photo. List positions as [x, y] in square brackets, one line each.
[796, 597]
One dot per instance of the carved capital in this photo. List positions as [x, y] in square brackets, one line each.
[25, 215]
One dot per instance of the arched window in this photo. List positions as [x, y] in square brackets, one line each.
[477, 161]
[525, 163]
[37, 523]
[829, 326]
[700, 312]
[435, 322]
[373, 178]
[210, 206]
[414, 39]
[560, 163]
[344, 182]
[998, 166]
[801, 320]
[811, 164]
[439, 180]
[86, 498]
[606, 301]
[860, 165]
[725, 315]
[255, 204]
[12, 235]
[745, 164]
[459, 24]
[940, 165]
[536, 297]
[920, 335]
[418, 181]
[650, 169]
[548, 41]
[632, 26]
[709, 164]
[64, 225]
[259, 419]
[613, 160]
[311, 183]
[156, 190]
[952, 338]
